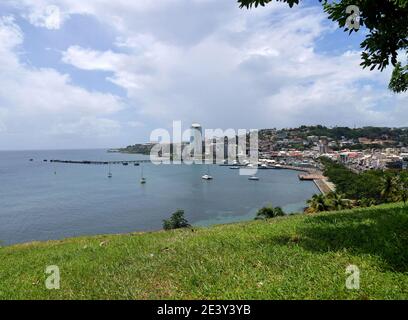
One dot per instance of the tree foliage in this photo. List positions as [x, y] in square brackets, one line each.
[386, 22]
[369, 187]
[177, 221]
[269, 213]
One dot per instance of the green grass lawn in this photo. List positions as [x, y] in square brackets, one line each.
[296, 257]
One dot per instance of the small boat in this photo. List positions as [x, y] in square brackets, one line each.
[235, 168]
[253, 178]
[125, 163]
[207, 176]
[137, 164]
[143, 179]
[31, 160]
[110, 173]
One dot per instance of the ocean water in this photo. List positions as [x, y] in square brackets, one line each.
[43, 201]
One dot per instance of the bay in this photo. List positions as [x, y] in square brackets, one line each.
[43, 201]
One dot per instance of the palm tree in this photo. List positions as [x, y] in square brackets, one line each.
[404, 195]
[318, 203]
[389, 187]
[337, 201]
[366, 202]
[403, 189]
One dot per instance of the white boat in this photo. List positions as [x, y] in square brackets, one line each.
[110, 173]
[235, 167]
[253, 178]
[143, 179]
[207, 176]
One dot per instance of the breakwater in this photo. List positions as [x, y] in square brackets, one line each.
[100, 162]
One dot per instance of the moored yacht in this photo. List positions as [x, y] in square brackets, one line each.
[208, 175]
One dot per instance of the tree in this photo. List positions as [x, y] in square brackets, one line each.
[269, 213]
[399, 78]
[318, 203]
[389, 188]
[176, 221]
[387, 25]
[403, 188]
[337, 201]
[366, 202]
[404, 195]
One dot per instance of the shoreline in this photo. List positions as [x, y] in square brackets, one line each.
[322, 182]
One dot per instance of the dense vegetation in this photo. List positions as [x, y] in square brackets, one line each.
[138, 148]
[373, 133]
[298, 257]
[360, 189]
[386, 32]
[389, 137]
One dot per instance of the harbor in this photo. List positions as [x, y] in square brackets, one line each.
[80, 199]
[308, 174]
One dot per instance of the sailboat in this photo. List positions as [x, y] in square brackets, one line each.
[207, 176]
[110, 173]
[143, 179]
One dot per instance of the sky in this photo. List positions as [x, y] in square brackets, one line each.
[102, 73]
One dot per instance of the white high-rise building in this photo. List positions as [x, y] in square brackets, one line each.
[197, 140]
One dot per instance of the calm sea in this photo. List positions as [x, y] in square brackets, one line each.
[42, 201]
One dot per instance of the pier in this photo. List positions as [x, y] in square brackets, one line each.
[321, 182]
[135, 162]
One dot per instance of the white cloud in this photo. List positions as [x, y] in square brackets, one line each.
[92, 60]
[3, 113]
[49, 17]
[88, 126]
[135, 124]
[263, 73]
[207, 61]
[35, 99]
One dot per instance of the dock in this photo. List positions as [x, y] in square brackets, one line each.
[310, 177]
[134, 162]
[321, 182]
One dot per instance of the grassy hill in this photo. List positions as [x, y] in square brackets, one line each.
[296, 257]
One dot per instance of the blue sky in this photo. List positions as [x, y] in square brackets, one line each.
[107, 73]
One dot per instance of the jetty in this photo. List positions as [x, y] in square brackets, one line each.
[88, 162]
[321, 182]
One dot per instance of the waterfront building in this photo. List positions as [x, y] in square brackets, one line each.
[196, 139]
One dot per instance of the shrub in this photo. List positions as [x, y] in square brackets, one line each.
[176, 221]
[269, 212]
